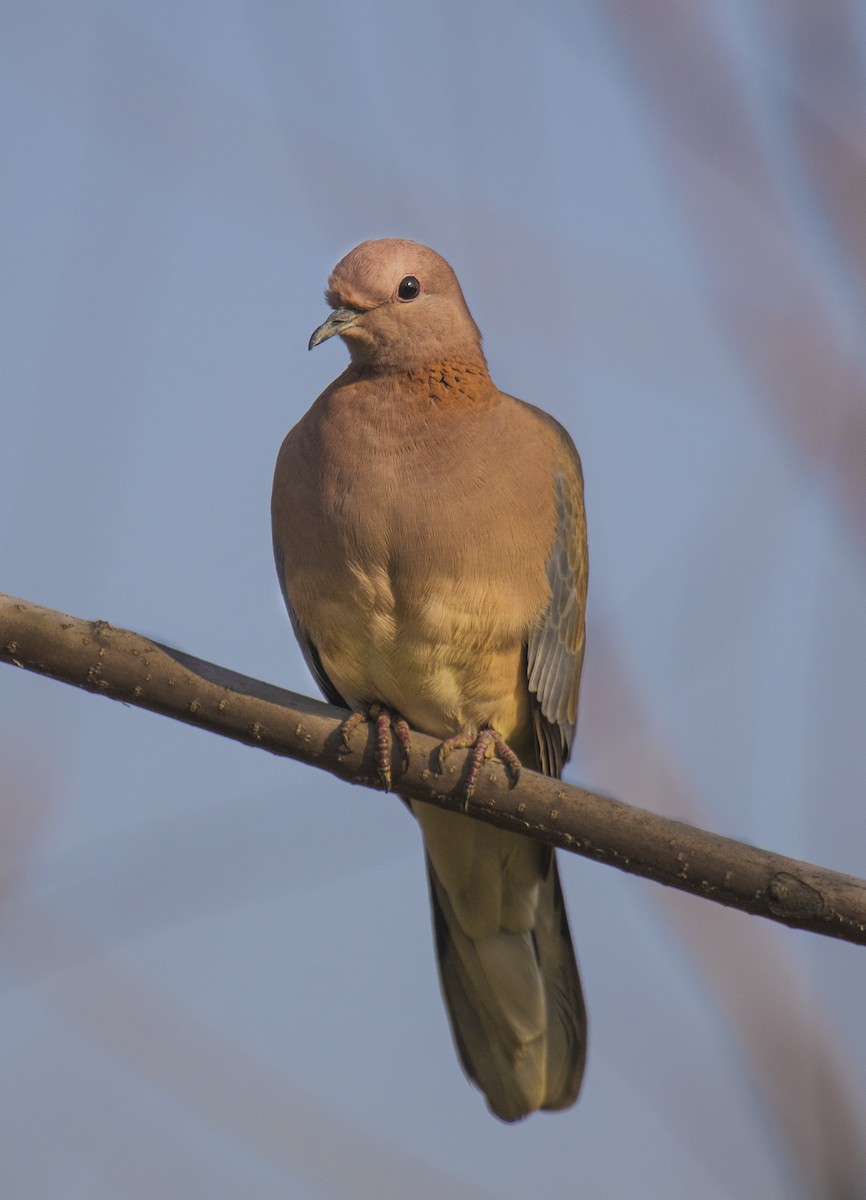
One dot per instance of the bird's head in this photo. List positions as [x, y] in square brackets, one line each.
[397, 305]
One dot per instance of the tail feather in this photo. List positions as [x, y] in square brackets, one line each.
[566, 1044]
[515, 1004]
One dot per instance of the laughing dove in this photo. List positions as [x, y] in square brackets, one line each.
[430, 540]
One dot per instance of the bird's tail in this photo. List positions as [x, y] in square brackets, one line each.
[515, 1004]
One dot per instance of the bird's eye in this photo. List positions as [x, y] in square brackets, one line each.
[409, 288]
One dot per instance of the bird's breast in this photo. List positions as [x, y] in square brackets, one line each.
[403, 566]
[421, 633]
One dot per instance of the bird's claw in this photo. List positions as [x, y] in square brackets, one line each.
[387, 721]
[484, 745]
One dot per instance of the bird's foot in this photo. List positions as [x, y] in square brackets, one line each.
[484, 746]
[387, 721]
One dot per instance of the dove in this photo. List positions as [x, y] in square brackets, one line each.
[430, 539]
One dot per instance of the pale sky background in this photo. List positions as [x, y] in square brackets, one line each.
[217, 975]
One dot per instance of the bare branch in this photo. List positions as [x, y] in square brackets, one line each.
[125, 666]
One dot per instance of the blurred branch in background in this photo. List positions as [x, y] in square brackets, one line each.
[792, 232]
[128, 667]
[784, 1029]
[205, 1072]
[806, 361]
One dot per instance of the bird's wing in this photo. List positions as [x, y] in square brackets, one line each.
[308, 647]
[555, 649]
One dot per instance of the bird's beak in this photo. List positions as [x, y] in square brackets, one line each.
[338, 322]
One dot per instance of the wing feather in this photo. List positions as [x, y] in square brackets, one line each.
[555, 649]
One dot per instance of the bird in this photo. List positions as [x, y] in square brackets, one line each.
[430, 539]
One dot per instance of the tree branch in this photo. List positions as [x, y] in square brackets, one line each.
[125, 666]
